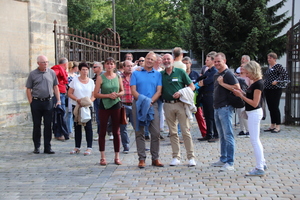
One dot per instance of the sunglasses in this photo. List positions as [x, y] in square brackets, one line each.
[95, 66]
[141, 60]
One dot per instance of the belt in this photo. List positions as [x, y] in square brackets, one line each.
[172, 101]
[42, 99]
[127, 104]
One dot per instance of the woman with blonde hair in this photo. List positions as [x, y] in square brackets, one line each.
[109, 88]
[252, 99]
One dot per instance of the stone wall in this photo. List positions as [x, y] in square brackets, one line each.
[26, 32]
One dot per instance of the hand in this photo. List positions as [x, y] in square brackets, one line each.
[237, 92]
[220, 80]
[58, 103]
[200, 83]
[113, 95]
[78, 102]
[176, 95]
[274, 83]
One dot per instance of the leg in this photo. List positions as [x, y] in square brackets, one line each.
[185, 129]
[254, 118]
[139, 135]
[115, 119]
[89, 132]
[155, 133]
[37, 119]
[170, 116]
[47, 114]
[201, 121]
[225, 117]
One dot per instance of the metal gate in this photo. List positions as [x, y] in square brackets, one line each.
[84, 47]
[292, 102]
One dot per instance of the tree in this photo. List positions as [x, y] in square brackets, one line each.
[91, 16]
[141, 24]
[237, 27]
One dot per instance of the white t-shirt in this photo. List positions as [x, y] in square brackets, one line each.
[179, 64]
[82, 90]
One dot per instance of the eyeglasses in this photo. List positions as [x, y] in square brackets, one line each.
[141, 60]
[95, 66]
[45, 62]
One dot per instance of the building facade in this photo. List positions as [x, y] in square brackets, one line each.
[26, 32]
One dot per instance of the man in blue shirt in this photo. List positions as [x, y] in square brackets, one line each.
[147, 84]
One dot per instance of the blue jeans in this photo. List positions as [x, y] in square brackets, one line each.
[96, 109]
[223, 120]
[123, 129]
[63, 105]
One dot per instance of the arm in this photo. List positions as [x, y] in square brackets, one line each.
[252, 102]
[227, 86]
[157, 93]
[121, 90]
[29, 96]
[134, 93]
[57, 94]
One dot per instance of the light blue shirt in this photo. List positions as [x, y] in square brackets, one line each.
[146, 82]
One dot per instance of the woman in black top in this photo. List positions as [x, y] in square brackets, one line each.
[252, 99]
[275, 78]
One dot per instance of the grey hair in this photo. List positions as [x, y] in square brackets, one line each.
[247, 57]
[62, 60]
[186, 58]
[99, 64]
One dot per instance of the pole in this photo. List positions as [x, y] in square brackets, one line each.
[293, 12]
[114, 15]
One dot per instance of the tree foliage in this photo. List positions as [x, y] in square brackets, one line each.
[237, 27]
[141, 24]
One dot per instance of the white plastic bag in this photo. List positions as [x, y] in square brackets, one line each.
[85, 114]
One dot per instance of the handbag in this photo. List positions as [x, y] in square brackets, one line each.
[123, 118]
[85, 114]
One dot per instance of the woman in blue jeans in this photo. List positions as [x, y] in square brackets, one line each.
[252, 99]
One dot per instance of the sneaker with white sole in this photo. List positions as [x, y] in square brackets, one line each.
[266, 167]
[192, 162]
[111, 137]
[227, 167]
[256, 172]
[175, 162]
[218, 164]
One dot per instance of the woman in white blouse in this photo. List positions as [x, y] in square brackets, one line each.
[80, 87]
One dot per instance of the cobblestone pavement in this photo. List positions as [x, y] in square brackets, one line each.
[24, 175]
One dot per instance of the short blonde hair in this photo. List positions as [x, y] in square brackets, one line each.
[253, 68]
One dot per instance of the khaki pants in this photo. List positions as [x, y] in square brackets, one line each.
[174, 112]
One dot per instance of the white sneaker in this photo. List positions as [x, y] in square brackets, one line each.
[175, 162]
[218, 164]
[192, 162]
[96, 139]
[227, 167]
[111, 137]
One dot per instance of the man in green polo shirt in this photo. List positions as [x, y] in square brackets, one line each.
[174, 79]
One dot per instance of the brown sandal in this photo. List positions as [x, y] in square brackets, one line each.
[103, 161]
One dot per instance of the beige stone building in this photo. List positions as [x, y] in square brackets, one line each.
[26, 32]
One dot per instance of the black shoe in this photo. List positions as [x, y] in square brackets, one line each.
[213, 140]
[147, 138]
[49, 151]
[161, 137]
[36, 150]
[204, 138]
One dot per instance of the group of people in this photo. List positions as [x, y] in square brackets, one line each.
[150, 87]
